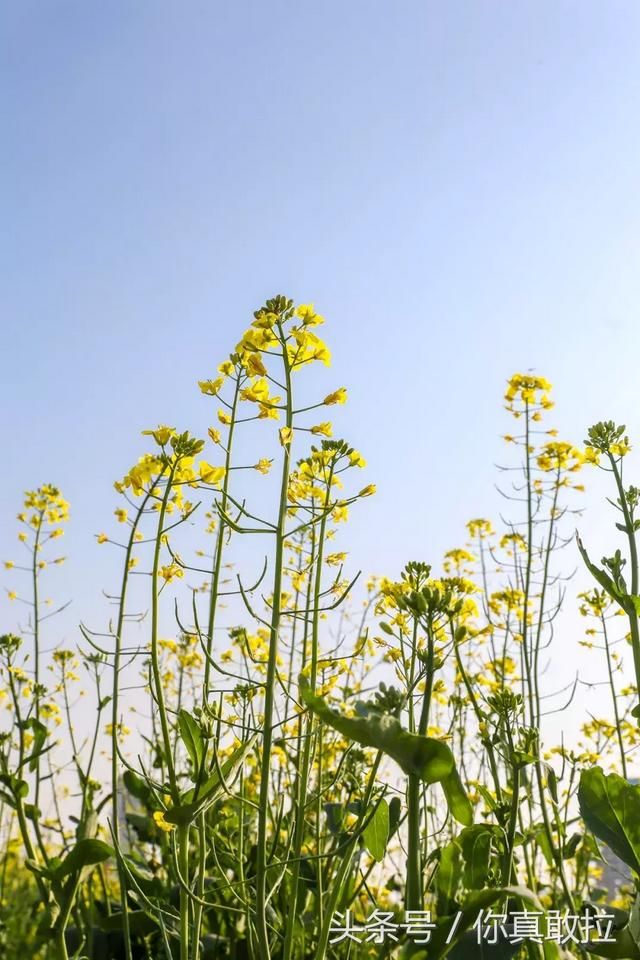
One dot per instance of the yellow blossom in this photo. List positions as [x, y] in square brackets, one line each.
[211, 387]
[307, 314]
[338, 396]
[161, 434]
[171, 571]
[335, 559]
[323, 429]
[210, 474]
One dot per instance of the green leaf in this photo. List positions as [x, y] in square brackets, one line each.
[19, 788]
[136, 786]
[476, 843]
[197, 800]
[376, 833]
[468, 914]
[395, 812]
[191, 734]
[457, 799]
[601, 576]
[610, 807]
[449, 874]
[428, 759]
[144, 827]
[623, 949]
[40, 734]
[86, 853]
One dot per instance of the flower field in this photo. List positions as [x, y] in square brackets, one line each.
[262, 755]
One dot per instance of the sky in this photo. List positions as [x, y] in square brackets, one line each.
[454, 186]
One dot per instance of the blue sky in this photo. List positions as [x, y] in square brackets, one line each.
[455, 186]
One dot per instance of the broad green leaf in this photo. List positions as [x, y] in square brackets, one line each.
[626, 936]
[476, 902]
[429, 759]
[395, 812]
[136, 786]
[197, 800]
[86, 853]
[605, 580]
[449, 874]
[610, 807]
[191, 735]
[19, 788]
[457, 799]
[144, 826]
[40, 734]
[334, 813]
[425, 757]
[623, 949]
[376, 833]
[475, 843]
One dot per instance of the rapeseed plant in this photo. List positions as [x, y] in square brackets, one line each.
[271, 773]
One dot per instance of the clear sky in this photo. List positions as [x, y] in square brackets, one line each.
[454, 185]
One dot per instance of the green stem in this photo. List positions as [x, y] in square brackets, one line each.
[260, 915]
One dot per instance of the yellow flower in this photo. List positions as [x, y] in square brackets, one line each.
[335, 559]
[479, 527]
[254, 366]
[209, 474]
[323, 429]
[161, 434]
[214, 434]
[263, 465]
[211, 387]
[286, 435]
[356, 459]
[159, 820]
[9, 564]
[12, 595]
[526, 387]
[368, 490]
[224, 418]
[22, 537]
[121, 515]
[226, 368]
[257, 392]
[171, 571]
[102, 537]
[338, 396]
[121, 730]
[307, 314]
[620, 449]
